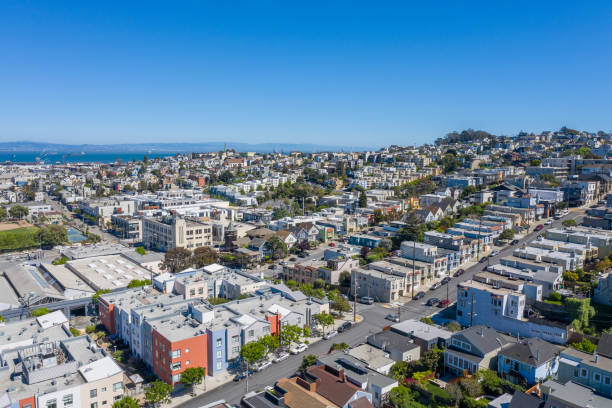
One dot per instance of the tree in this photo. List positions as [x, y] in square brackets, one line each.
[277, 248]
[339, 346]
[158, 392]
[433, 359]
[204, 255]
[535, 162]
[141, 250]
[52, 235]
[507, 234]
[270, 342]
[2, 319]
[98, 293]
[580, 312]
[3, 213]
[363, 200]
[177, 259]
[454, 392]
[18, 211]
[569, 223]
[280, 212]
[253, 352]
[126, 402]
[403, 397]
[290, 334]
[193, 376]
[308, 361]
[585, 345]
[471, 387]
[345, 278]
[341, 305]
[136, 283]
[386, 244]
[41, 311]
[323, 319]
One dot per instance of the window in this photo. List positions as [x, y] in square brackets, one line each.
[597, 377]
[175, 353]
[200, 291]
[191, 292]
[219, 365]
[235, 349]
[176, 378]
[186, 350]
[175, 366]
[219, 353]
[219, 342]
[52, 403]
[584, 372]
[117, 397]
[103, 389]
[94, 405]
[93, 393]
[251, 333]
[67, 400]
[187, 362]
[118, 386]
[103, 402]
[235, 339]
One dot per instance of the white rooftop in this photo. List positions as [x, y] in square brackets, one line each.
[99, 369]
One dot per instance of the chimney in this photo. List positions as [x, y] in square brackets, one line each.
[538, 356]
[596, 357]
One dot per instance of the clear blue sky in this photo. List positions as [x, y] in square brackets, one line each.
[331, 72]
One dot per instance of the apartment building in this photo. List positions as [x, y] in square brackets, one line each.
[502, 309]
[425, 253]
[167, 232]
[378, 285]
[473, 349]
[580, 235]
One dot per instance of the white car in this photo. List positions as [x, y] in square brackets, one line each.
[282, 356]
[330, 334]
[260, 366]
[549, 222]
[298, 348]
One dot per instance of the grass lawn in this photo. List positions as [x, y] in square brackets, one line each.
[435, 390]
[20, 238]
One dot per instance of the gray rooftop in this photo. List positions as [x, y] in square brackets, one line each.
[355, 369]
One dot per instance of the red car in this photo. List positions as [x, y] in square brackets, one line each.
[539, 227]
[459, 272]
[331, 244]
[444, 303]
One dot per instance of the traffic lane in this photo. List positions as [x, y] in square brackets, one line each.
[411, 308]
[233, 392]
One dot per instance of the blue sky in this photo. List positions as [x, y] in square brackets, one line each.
[353, 73]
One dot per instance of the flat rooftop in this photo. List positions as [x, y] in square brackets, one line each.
[108, 271]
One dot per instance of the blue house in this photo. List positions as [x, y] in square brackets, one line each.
[529, 361]
[364, 240]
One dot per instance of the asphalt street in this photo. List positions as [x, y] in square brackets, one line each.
[373, 321]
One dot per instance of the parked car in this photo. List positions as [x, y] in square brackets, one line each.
[293, 259]
[514, 242]
[419, 295]
[443, 303]
[494, 253]
[539, 227]
[483, 259]
[298, 348]
[302, 255]
[282, 356]
[345, 326]
[241, 375]
[459, 272]
[330, 334]
[445, 280]
[262, 365]
[549, 222]
[432, 302]
[331, 244]
[393, 318]
[436, 286]
[366, 300]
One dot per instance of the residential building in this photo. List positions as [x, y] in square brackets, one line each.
[473, 349]
[529, 361]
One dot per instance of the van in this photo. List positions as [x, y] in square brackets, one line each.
[366, 300]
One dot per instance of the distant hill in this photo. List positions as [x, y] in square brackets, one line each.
[25, 146]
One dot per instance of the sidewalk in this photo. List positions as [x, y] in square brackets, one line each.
[209, 383]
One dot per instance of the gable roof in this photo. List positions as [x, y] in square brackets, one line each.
[332, 386]
[533, 351]
[522, 400]
[483, 338]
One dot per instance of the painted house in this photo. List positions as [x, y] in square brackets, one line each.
[529, 361]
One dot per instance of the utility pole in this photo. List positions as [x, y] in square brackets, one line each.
[479, 226]
[472, 311]
[413, 268]
[355, 300]
[447, 285]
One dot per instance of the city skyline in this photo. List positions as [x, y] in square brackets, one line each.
[328, 74]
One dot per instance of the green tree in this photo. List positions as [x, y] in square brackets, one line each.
[308, 361]
[341, 305]
[270, 342]
[18, 211]
[253, 352]
[507, 234]
[204, 255]
[280, 212]
[193, 376]
[404, 397]
[290, 334]
[535, 162]
[339, 346]
[98, 293]
[2, 319]
[126, 402]
[177, 259]
[569, 223]
[141, 250]
[363, 200]
[157, 393]
[277, 248]
[135, 283]
[585, 345]
[323, 319]
[52, 235]
[580, 312]
[41, 311]
[291, 284]
[3, 213]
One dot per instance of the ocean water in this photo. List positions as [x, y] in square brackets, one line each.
[30, 157]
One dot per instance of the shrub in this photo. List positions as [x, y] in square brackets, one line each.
[555, 297]
[471, 387]
[75, 332]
